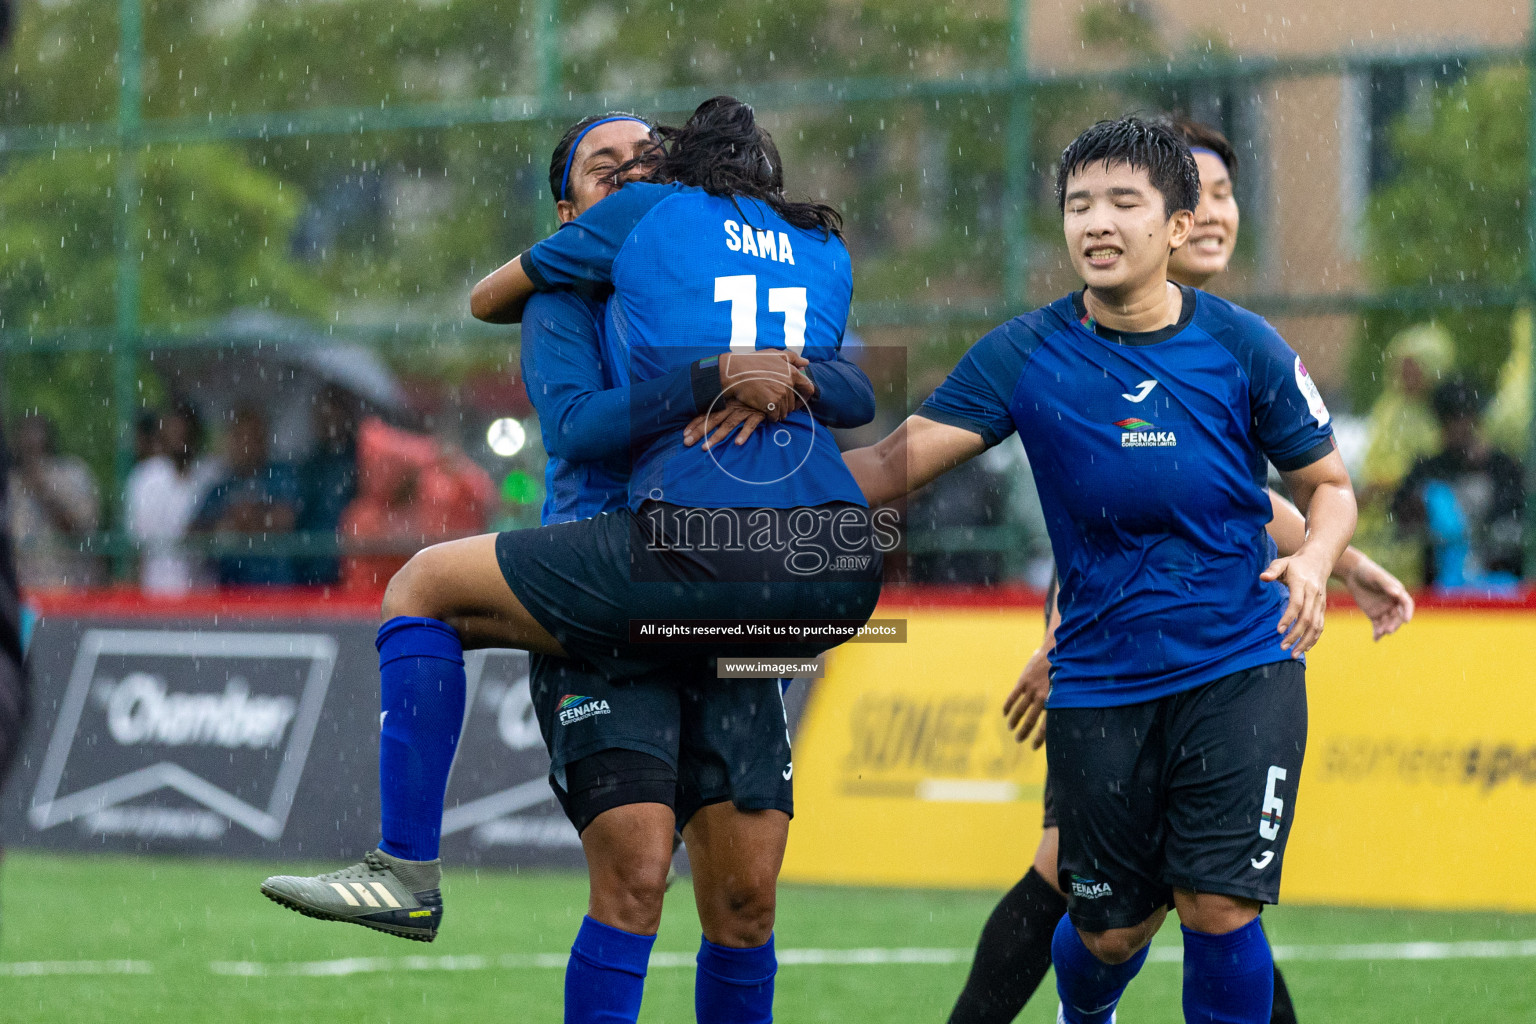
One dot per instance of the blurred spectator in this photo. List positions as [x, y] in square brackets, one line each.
[256, 500]
[413, 491]
[1402, 427]
[146, 435]
[15, 686]
[1400, 430]
[1464, 504]
[54, 506]
[960, 507]
[1509, 414]
[162, 497]
[965, 511]
[327, 479]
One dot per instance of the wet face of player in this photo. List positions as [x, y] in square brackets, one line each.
[1214, 235]
[601, 152]
[1118, 231]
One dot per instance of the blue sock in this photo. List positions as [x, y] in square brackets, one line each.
[605, 977]
[1228, 979]
[1089, 987]
[421, 689]
[734, 986]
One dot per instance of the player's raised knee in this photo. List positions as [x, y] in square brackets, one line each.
[415, 588]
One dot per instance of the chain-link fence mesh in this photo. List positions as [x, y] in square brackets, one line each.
[236, 204]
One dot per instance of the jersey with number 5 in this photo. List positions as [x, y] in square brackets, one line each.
[696, 277]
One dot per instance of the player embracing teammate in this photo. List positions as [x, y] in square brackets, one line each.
[1178, 707]
[1178, 713]
[677, 282]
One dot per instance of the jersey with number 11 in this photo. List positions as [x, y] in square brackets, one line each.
[697, 277]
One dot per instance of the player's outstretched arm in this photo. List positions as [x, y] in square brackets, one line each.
[910, 456]
[581, 258]
[499, 297]
[1382, 596]
[1324, 491]
[584, 420]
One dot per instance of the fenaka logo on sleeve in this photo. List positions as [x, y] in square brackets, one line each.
[172, 734]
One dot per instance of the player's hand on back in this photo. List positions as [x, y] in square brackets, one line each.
[718, 423]
[1306, 576]
[770, 381]
[1025, 705]
[1381, 596]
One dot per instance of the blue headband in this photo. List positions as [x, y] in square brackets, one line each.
[566, 177]
[1212, 152]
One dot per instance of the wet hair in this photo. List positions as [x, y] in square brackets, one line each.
[1454, 398]
[723, 150]
[1138, 144]
[1199, 135]
[563, 147]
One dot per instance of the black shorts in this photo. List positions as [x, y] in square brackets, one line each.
[1048, 803]
[1192, 791]
[722, 741]
[585, 581]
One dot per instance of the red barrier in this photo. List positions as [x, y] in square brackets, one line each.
[317, 602]
[241, 602]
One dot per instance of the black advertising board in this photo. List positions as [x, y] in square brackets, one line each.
[256, 737]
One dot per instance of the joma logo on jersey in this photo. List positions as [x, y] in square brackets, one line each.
[578, 709]
[1142, 391]
[1138, 433]
[1088, 889]
[768, 245]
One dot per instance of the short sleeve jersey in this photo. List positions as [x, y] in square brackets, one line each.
[1149, 453]
[563, 345]
[696, 276]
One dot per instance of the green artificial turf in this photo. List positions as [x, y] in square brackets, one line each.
[175, 918]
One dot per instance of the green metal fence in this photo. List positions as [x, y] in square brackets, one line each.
[1014, 154]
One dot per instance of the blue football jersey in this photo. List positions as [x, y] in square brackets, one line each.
[1149, 453]
[563, 353]
[697, 276]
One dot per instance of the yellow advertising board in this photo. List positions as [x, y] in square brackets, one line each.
[905, 773]
[1419, 787]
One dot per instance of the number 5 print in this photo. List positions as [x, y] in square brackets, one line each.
[1274, 807]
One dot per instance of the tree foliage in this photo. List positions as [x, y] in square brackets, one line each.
[212, 235]
[392, 225]
[1454, 217]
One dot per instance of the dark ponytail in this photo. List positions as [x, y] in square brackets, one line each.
[723, 150]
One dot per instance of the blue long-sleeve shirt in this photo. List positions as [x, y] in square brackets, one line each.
[564, 364]
[584, 398]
